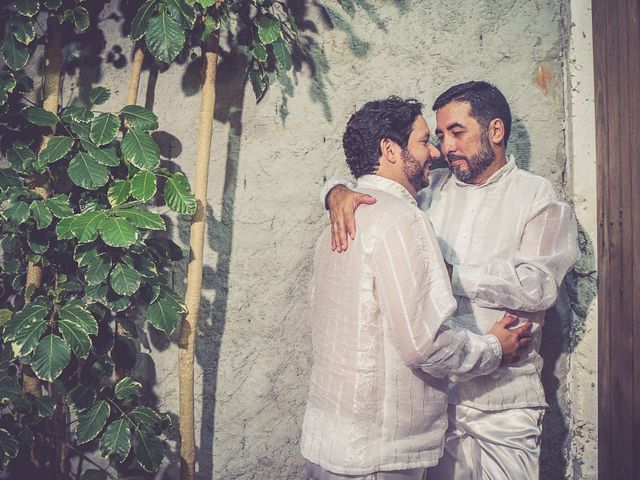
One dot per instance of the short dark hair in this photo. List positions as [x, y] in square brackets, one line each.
[487, 103]
[391, 118]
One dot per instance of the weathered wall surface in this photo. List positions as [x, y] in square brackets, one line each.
[269, 161]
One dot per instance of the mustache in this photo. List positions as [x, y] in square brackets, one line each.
[451, 157]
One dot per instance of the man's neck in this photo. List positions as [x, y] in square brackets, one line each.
[402, 180]
[499, 162]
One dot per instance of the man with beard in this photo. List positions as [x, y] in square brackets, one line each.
[377, 394]
[508, 243]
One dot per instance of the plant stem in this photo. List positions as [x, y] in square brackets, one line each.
[189, 325]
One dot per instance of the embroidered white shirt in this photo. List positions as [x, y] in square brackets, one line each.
[376, 317]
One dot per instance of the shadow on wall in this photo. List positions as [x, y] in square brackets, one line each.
[564, 328]
[519, 144]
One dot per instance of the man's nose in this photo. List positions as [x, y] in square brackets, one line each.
[434, 153]
[447, 146]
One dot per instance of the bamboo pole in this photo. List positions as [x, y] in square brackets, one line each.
[188, 327]
[134, 80]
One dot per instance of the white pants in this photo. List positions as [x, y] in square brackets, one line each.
[316, 472]
[500, 445]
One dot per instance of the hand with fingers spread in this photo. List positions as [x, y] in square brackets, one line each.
[343, 203]
[512, 340]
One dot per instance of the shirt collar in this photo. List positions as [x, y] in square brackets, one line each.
[506, 168]
[386, 185]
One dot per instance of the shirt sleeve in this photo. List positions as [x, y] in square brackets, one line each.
[462, 355]
[412, 286]
[332, 182]
[529, 279]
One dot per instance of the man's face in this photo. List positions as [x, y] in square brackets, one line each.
[463, 142]
[418, 155]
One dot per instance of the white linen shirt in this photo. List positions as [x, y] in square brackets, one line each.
[376, 317]
[511, 242]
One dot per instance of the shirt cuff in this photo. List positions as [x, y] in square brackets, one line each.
[496, 360]
[465, 280]
[329, 184]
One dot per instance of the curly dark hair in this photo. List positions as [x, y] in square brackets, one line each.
[487, 103]
[391, 119]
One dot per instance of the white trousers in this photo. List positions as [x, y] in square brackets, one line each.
[316, 472]
[500, 445]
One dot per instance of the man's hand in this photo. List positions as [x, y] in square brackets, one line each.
[342, 204]
[513, 340]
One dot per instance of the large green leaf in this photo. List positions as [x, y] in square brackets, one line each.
[76, 312]
[183, 12]
[98, 269]
[76, 114]
[124, 279]
[149, 451]
[25, 327]
[178, 194]
[9, 445]
[81, 130]
[143, 265]
[141, 20]
[99, 95]
[22, 28]
[143, 186]
[104, 156]
[15, 53]
[268, 29]
[84, 253]
[143, 219]
[118, 232]
[81, 18]
[128, 388]
[21, 158]
[63, 229]
[40, 211]
[104, 128]
[259, 52]
[28, 8]
[38, 241]
[56, 148]
[40, 116]
[50, 357]
[85, 226]
[85, 172]
[116, 440]
[283, 56]
[81, 398]
[8, 178]
[164, 37]
[76, 338]
[140, 149]
[119, 192]
[17, 213]
[91, 422]
[59, 206]
[147, 419]
[164, 315]
[139, 117]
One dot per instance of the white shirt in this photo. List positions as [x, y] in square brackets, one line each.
[376, 317]
[511, 243]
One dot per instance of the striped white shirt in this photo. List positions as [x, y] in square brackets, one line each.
[376, 317]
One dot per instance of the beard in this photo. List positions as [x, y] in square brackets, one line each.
[417, 175]
[477, 163]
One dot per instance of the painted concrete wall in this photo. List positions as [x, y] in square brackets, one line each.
[270, 160]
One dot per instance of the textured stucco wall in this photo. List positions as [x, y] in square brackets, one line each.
[269, 161]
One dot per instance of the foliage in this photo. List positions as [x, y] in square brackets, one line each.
[102, 265]
[169, 27]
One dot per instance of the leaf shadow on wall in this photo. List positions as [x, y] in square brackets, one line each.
[564, 329]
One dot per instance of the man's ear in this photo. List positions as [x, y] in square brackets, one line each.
[496, 131]
[388, 149]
